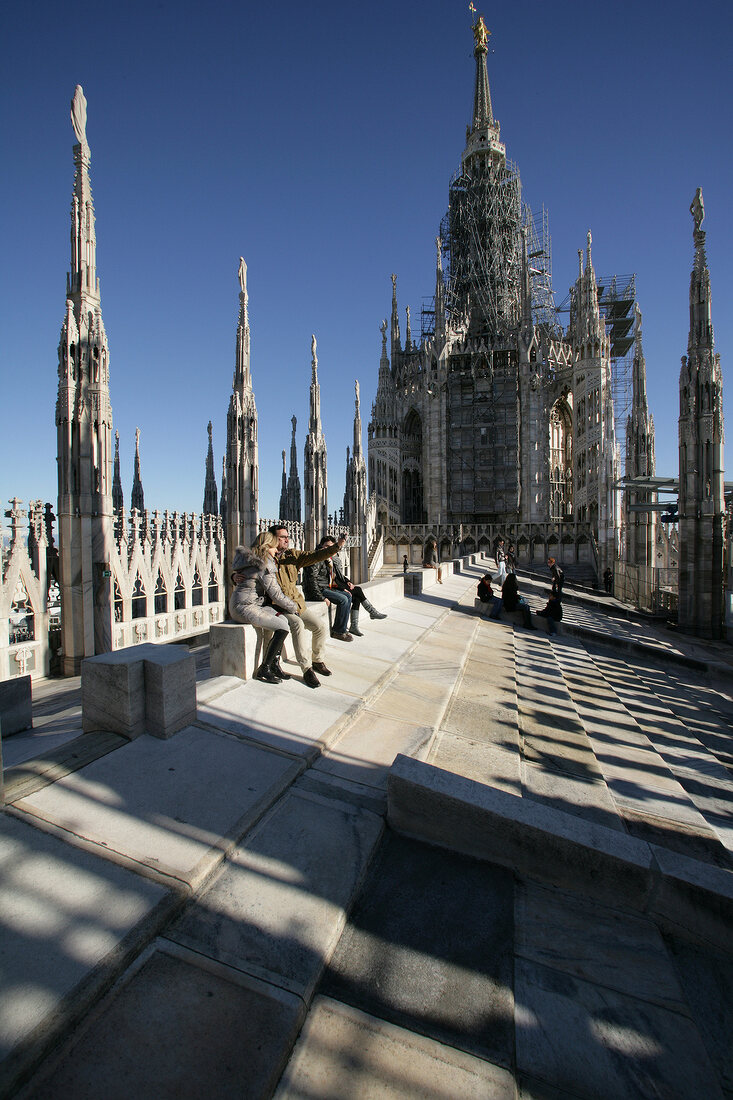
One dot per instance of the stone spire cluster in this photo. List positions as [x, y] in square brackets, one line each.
[118, 499]
[242, 461]
[294, 505]
[211, 500]
[640, 527]
[701, 491]
[315, 467]
[84, 430]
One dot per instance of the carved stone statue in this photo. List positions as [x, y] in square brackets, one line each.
[356, 388]
[242, 274]
[697, 209]
[79, 115]
[313, 349]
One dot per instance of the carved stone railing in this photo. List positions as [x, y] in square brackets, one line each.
[24, 591]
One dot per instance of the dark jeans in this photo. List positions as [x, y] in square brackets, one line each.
[342, 609]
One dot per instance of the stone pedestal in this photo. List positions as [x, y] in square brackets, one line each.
[15, 705]
[146, 689]
[232, 649]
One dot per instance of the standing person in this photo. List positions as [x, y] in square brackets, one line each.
[558, 577]
[608, 580]
[405, 563]
[358, 597]
[288, 563]
[254, 574]
[511, 560]
[500, 556]
[319, 586]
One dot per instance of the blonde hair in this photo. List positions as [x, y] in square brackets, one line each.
[264, 542]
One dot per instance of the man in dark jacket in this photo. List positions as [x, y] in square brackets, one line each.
[319, 583]
[357, 594]
[288, 563]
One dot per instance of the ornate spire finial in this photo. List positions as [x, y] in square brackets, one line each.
[697, 209]
[242, 275]
[314, 357]
[210, 430]
[589, 240]
[393, 277]
[481, 33]
[79, 115]
[294, 422]
[439, 251]
[137, 441]
[356, 388]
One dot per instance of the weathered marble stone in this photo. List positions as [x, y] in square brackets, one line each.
[232, 650]
[170, 690]
[113, 692]
[344, 1052]
[15, 705]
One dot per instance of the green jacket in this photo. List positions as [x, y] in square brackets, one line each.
[288, 564]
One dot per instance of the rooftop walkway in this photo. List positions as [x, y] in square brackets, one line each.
[476, 862]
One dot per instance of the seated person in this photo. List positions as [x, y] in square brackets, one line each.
[319, 585]
[358, 596]
[512, 601]
[552, 611]
[485, 593]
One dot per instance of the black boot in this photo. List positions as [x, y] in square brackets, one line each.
[267, 671]
[354, 625]
[373, 613]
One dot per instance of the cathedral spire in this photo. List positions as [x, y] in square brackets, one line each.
[242, 456]
[223, 493]
[701, 325]
[314, 472]
[137, 497]
[294, 495]
[242, 376]
[439, 291]
[357, 424]
[395, 328]
[211, 503]
[283, 505]
[314, 423]
[482, 114]
[118, 500]
[408, 330]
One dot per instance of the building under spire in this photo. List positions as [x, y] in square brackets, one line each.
[314, 471]
[701, 493]
[211, 502]
[242, 469]
[137, 497]
[84, 430]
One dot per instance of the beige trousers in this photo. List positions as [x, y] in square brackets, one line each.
[315, 619]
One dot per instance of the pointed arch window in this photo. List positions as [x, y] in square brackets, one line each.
[179, 594]
[197, 590]
[213, 587]
[118, 601]
[139, 599]
[161, 595]
[22, 619]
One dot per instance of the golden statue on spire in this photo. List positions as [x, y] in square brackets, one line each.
[481, 32]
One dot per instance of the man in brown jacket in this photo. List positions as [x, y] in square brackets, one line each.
[288, 563]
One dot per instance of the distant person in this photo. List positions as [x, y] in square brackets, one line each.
[608, 581]
[552, 611]
[430, 561]
[288, 563]
[511, 559]
[259, 600]
[405, 563]
[500, 557]
[512, 601]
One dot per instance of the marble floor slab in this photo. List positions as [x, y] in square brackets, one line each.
[179, 1030]
[428, 946]
[343, 1052]
[167, 805]
[366, 751]
[278, 903]
[63, 913]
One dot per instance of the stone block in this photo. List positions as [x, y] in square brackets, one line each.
[693, 896]
[113, 692]
[170, 690]
[15, 705]
[534, 840]
[232, 650]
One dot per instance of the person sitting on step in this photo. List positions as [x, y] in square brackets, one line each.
[319, 584]
[485, 593]
[512, 601]
[259, 600]
[358, 596]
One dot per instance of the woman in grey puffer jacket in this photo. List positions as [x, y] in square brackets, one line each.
[259, 600]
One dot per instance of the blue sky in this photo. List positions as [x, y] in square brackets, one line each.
[318, 142]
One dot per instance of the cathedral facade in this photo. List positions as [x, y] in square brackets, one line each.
[496, 417]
